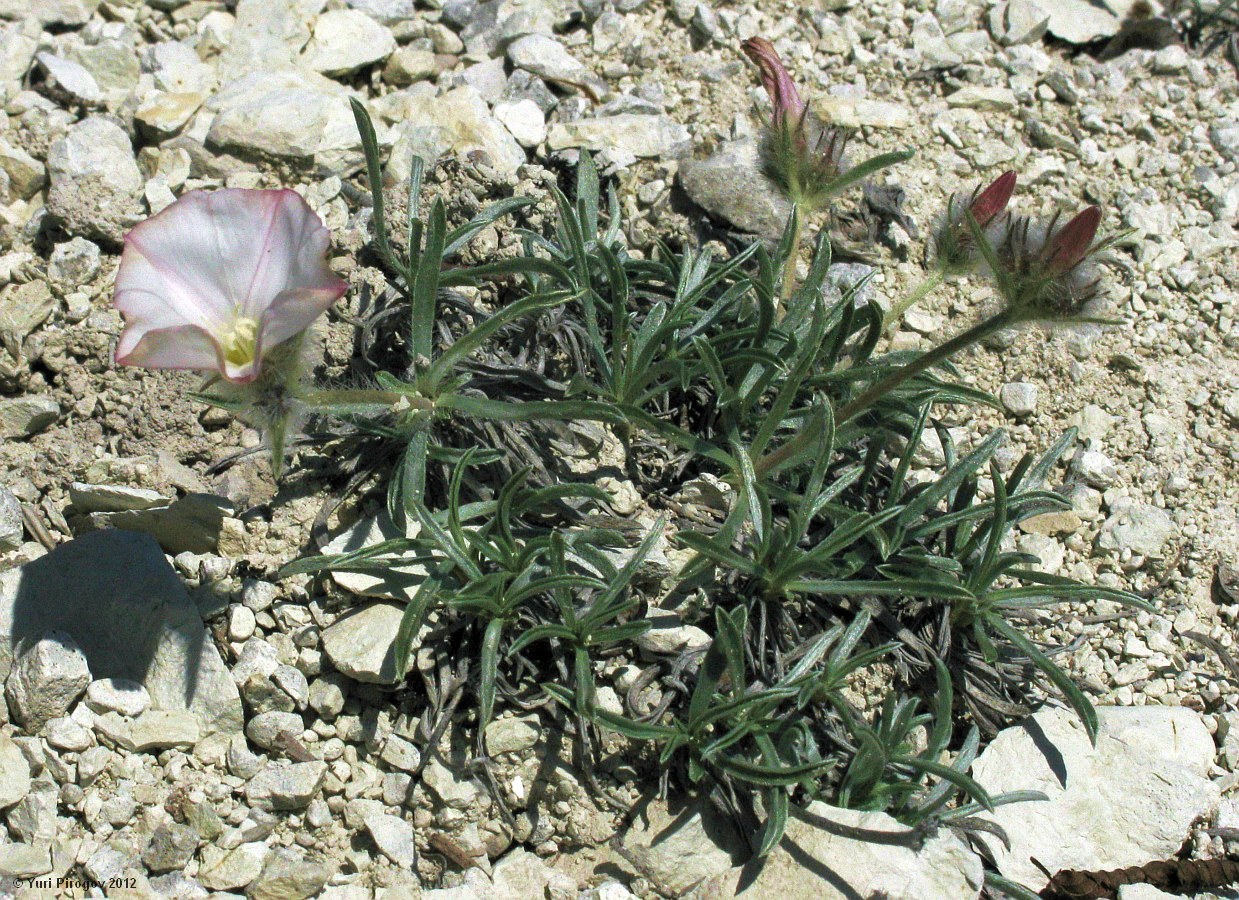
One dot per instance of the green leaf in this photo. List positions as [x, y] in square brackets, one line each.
[489, 673]
[776, 821]
[411, 622]
[459, 237]
[425, 287]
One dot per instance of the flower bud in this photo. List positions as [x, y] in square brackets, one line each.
[1047, 272]
[788, 107]
[955, 250]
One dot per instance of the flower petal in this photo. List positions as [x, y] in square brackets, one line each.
[293, 311]
[179, 347]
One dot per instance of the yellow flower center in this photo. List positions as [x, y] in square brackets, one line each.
[241, 341]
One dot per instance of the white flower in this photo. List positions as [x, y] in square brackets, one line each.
[218, 278]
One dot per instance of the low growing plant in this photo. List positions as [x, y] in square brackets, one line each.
[831, 562]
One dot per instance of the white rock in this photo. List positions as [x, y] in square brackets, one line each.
[14, 773]
[394, 838]
[1019, 398]
[677, 845]
[69, 80]
[669, 635]
[1095, 468]
[346, 40]
[12, 529]
[1018, 22]
[65, 734]
[361, 643]
[46, 680]
[241, 623]
[392, 582]
[96, 186]
[456, 122]
[524, 119]
[268, 729]
[286, 114]
[1141, 528]
[1081, 21]
[548, 59]
[233, 869]
[400, 754]
[815, 860]
[286, 786]
[1131, 799]
[642, 136]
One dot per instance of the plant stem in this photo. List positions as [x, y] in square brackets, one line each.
[361, 398]
[793, 256]
[884, 386]
[928, 284]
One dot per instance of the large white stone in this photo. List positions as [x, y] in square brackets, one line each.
[346, 40]
[361, 643]
[456, 122]
[826, 854]
[1130, 800]
[96, 185]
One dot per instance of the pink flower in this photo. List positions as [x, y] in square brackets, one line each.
[992, 201]
[1071, 244]
[789, 109]
[219, 278]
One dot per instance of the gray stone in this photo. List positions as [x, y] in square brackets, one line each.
[33, 820]
[11, 528]
[1095, 468]
[23, 416]
[92, 763]
[70, 13]
[679, 845]
[178, 69]
[524, 119]
[1081, 21]
[270, 730]
[670, 635]
[1018, 22]
[171, 848]
[268, 36]
[113, 64]
[826, 854]
[163, 115]
[289, 875]
[385, 12]
[107, 863]
[155, 729]
[327, 695]
[400, 754]
[124, 605]
[408, 65]
[394, 838]
[88, 498]
[46, 679]
[73, 264]
[64, 733]
[346, 40]
[232, 869]
[1131, 799]
[19, 41]
[295, 115]
[27, 175]
[730, 187]
[452, 789]
[512, 735]
[14, 773]
[361, 643]
[25, 860]
[121, 695]
[392, 582]
[631, 134]
[457, 122]
[96, 185]
[286, 785]
[191, 523]
[68, 81]
[1141, 528]
[548, 59]
[1019, 397]
[858, 112]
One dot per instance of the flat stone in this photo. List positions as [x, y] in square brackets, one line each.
[361, 643]
[295, 115]
[71, 13]
[23, 416]
[408, 65]
[547, 58]
[192, 523]
[25, 860]
[1130, 800]
[12, 529]
[1018, 22]
[401, 754]
[112, 498]
[14, 773]
[285, 786]
[121, 695]
[155, 729]
[27, 175]
[268, 35]
[64, 733]
[346, 40]
[821, 857]
[1082, 22]
[642, 136]
[289, 875]
[680, 845]
[67, 80]
[851, 112]
[394, 838]
[524, 119]
[512, 735]
[171, 848]
[163, 115]
[115, 593]
[1141, 528]
[457, 122]
[730, 187]
[392, 582]
[987, 99]
[233, 869]
[1019, 397]
[267, 729]
[669, 635]
[96, 185]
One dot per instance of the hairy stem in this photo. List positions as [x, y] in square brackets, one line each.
[363, 397]
[789, 265]
[946, 350]
[928, 284]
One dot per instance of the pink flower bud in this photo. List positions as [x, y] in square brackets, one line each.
[218, 279]
[1068, 246]
[993, 200]
[788, 107]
